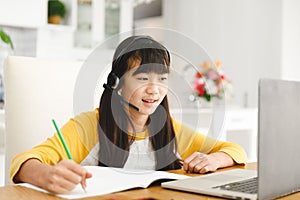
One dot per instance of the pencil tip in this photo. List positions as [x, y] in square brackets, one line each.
[84, 189]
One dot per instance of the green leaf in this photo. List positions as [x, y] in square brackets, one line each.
[207, 96]
[56, 7]
[6, 39]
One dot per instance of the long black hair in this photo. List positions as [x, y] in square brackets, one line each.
[114, 120]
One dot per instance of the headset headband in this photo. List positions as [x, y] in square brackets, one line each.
[137, 44]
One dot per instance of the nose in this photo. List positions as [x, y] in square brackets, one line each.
[152, 88]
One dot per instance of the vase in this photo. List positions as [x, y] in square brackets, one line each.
[54, 19]
[203, 103]
[200, 102]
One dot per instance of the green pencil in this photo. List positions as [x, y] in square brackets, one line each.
[65, 146]
[62, 140]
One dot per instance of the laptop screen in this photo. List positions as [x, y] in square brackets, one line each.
[278, 138]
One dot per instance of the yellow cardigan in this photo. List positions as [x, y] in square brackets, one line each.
[81, 135]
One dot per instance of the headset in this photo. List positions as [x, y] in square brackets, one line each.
[113, 81]
[137, 43]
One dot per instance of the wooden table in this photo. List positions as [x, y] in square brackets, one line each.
[151, 193]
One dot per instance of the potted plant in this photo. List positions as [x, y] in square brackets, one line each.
[56, 11]
[6, 39]
[4, 52]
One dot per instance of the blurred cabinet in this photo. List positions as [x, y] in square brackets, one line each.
[237, 125]
[91, 22]
[100, 19]
[241, 128]
[29, 13]
[86, 24]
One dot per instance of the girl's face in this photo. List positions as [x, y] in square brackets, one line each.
[146, 90]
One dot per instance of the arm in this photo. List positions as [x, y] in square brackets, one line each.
[80, 134]
[202, 154]
[60, 178]
[51, 151]
[211, 154]
[203, 163]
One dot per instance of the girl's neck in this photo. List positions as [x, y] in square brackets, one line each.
[139, 122]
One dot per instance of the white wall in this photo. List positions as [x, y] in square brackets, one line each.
[291, 40]
[29, 13]
[245, 35]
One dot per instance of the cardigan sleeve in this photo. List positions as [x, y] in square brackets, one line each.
[190, 141]
[80, 134]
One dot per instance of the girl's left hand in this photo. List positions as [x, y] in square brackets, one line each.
[203, 163]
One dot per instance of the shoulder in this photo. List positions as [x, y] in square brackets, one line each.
[86, 126]
[185, 133]
[92, 115]
[176, 124]
[180, 128]
[87, 118]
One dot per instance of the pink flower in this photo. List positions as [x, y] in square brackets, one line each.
[211, 82]
[212, 75]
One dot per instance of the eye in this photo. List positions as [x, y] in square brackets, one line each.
[163, 78]
[142, 78]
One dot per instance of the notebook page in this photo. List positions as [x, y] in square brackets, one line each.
[107, 180]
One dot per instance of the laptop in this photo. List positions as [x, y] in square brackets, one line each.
[278, 149]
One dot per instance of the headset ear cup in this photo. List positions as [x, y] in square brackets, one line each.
[113, 80]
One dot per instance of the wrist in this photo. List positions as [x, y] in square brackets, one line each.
[31, 171]
[222, 159]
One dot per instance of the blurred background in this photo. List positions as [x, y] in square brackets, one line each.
[247, 39]
[252, 38]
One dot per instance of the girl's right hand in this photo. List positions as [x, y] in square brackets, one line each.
[59, 179]
[63, 177]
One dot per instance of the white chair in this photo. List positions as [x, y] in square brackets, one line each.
[36, 90]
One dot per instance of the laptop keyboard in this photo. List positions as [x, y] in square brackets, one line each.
[246, 186]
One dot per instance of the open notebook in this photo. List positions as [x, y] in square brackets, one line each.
[107, 180]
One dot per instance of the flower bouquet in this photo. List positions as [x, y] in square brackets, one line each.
[211, 82]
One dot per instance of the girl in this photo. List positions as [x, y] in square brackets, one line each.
[132, 128]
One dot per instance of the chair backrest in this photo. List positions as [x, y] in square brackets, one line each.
[36, 90]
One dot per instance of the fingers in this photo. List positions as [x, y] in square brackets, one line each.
[64, 176]
[59, 185]
[84, 174]
[194, 162]
[199, 163]
[83, 180]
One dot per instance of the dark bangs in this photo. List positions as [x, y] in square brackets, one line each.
[152, 60]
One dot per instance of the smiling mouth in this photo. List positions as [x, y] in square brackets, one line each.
[149, 100]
